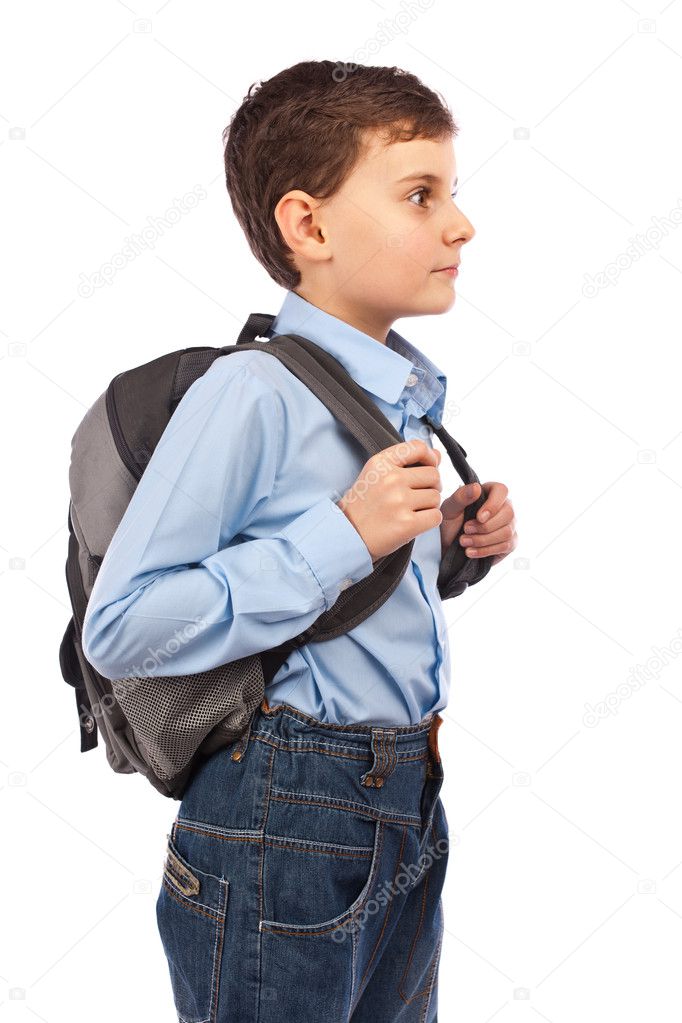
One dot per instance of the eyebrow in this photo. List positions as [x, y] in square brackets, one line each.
[420, 177]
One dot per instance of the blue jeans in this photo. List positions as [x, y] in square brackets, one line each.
[303, 876]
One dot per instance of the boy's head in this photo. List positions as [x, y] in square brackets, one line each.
[327, 171]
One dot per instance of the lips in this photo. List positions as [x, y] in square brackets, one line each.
[452, 266]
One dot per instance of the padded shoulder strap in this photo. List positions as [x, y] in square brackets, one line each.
[456, 571]
[336, 389]
[349, 403]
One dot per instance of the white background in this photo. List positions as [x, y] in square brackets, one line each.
[563, 900]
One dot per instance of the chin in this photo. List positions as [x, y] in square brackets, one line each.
[444, 303]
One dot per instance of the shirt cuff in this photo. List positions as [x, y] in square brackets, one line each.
[331, 545]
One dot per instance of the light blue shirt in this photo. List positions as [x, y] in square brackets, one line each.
[233, 542]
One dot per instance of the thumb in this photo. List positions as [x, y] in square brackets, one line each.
[458, 501]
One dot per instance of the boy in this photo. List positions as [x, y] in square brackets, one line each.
[305, 865]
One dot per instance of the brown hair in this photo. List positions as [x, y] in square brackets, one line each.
[304, 128]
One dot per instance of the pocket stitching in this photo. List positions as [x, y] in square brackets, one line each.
[198, 907]
[173, 887]
[175, 869]
[277, 927]
[217, 915]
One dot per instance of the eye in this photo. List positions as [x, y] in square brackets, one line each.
[425, 190]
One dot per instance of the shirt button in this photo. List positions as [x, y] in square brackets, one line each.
[345, 583]
[411, 380]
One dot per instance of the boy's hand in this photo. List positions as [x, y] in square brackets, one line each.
[396, 497]
[493, 531]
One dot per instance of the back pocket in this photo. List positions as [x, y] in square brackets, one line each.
[190, 914]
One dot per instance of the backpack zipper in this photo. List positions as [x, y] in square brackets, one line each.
[121, 446]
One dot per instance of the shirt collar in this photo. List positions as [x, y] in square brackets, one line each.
[386, 370]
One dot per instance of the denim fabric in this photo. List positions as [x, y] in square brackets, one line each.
[303, 876]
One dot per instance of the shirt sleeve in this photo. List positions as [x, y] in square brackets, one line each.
[177, 591]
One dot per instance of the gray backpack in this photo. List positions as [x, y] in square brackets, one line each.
[163, 727]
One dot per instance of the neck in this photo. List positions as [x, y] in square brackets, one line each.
[362, 319]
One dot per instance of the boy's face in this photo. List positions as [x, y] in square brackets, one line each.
[372, 253]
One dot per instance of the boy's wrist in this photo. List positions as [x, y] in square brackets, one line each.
[331, 546]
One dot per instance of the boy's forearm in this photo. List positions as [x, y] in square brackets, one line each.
[239, 601]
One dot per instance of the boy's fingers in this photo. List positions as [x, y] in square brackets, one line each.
[496, 494]
[481, 539]
[457, 502]
[503, 517]
[408, 452]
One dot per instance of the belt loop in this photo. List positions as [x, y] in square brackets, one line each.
[243, 741]
[433, 736]
[385, 757]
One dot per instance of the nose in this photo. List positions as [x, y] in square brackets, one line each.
[459, 227]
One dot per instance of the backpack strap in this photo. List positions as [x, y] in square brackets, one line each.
[457, 571]
[256, 326]
[332, 384]
[336, 389]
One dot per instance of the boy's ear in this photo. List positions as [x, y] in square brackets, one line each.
[296, 216]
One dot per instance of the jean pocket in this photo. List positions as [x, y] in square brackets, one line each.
[316, 886]
[190, 913]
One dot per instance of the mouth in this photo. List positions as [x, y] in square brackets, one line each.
[451, 270]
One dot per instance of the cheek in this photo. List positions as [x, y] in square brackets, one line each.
[404, 263]
[419, 251]
[358, 240]
[387, 248]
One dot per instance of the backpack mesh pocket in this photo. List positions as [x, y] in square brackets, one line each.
[172, 715]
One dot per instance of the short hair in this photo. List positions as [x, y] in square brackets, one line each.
[305, 128]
